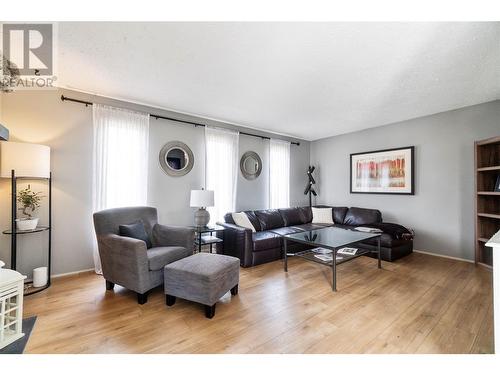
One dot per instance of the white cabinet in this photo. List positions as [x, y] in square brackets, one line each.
[11, 306]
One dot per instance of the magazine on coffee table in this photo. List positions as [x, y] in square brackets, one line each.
[321, 250]
[348, 251]
[368, 230]
[327, 257]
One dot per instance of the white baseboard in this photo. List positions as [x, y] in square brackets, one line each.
[444, 256]
[71, 273]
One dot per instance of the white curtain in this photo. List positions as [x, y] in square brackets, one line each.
[279, 174]
[120, 164]
[221, 172]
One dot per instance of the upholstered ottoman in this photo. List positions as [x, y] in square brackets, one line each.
[202, 278]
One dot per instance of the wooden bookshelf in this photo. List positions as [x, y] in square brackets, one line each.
[489, 169]
[487, 202]
[488, 193]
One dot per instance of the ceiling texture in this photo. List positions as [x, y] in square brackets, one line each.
[305, 80]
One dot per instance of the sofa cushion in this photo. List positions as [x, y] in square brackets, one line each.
[361, 216]
[265, 240]
[159, 257]
[291, 216]
[228, 218]
[254, 220]
[306, 214]
[135, 230]
[269, 219]
[339, 214]
[286, 230]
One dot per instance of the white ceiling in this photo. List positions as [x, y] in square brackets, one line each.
[308, 80]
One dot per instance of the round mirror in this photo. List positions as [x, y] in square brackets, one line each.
[176, 159]
[250, 165]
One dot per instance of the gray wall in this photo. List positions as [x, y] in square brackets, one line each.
[41, 117]
[171, 194]
[442, 209]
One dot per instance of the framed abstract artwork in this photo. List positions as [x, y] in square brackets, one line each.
[384, 171]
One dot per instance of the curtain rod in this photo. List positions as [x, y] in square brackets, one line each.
[65, 98]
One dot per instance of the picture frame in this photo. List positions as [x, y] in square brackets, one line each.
[388, 171]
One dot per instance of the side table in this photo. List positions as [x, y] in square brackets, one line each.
[204, 236]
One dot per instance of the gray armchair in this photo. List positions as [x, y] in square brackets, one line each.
[126, 261]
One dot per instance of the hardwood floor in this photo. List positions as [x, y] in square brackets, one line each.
[419, 304]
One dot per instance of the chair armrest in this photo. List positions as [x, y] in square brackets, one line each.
[168, 235]
[238, 242]
[124, 261]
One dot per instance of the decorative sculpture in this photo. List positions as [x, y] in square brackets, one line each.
[309, 187]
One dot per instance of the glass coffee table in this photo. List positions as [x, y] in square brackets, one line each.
[332, 239]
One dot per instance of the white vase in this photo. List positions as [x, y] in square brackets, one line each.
[40, 276]
[26, 224]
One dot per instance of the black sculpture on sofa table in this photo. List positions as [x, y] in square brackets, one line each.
[309, 187]
[137, 264]
[265, 244]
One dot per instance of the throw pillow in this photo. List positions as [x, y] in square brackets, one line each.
[241, 219]
[136, 230]
[322, 215]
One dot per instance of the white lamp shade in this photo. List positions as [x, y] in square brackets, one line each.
[202, 198]
[27, 160]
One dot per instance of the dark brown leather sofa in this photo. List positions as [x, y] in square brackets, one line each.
[265, 245]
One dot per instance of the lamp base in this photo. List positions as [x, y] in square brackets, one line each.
[201, 217]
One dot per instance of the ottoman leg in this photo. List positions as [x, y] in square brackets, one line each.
[142, 298]
[210, 311]
[234, 290]
[170, 300]
[109, 285]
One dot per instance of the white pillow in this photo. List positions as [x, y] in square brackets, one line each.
[241, 219]
[322, 215]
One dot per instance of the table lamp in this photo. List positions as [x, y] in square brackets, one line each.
[202, 199]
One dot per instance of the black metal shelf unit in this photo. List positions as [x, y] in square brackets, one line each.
[13, 232]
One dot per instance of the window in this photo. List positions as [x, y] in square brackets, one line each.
[120, 165]
[221, 176]
[279, 174]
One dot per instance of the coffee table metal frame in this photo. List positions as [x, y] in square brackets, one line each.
[309, 255]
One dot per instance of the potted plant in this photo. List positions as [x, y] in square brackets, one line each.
[30, 202]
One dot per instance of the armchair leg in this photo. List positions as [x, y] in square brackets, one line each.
[142, 298]
[109, 285]
[170, 300]
[210, 311]
[234, 290]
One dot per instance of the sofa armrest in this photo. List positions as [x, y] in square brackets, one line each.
[168, 235]
[238, 242]
[124, 261]
[394, 230]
